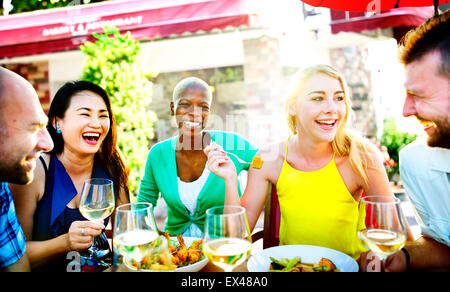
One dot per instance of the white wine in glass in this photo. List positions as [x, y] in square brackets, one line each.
[227, 236]
[97, 203]
[384, 229]
[97, 211]
[134, 244]
[135, 233]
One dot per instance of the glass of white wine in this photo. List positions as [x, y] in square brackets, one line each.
[96, 203]
[383, 229]
[227, 236]
[136, 234]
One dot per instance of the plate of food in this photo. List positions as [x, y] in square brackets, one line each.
[301, 258]
[185, 254]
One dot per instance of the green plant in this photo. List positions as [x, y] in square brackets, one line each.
[230, 74]
[113, 63]
[31, 5]
[394, 142]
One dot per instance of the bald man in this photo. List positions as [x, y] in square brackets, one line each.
[23, 136]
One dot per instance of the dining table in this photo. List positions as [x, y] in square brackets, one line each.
[209, 267]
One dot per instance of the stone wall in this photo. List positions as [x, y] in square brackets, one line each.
[352, 62]
[248, 99]
[228, 106]
[37, 75]
[264, 89]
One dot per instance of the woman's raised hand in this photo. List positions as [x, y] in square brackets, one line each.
[219, 163]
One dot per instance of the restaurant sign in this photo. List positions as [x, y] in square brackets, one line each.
[75, 27]
[61, 29]
[86, 28]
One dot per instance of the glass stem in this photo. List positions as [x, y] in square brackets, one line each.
[93, 248]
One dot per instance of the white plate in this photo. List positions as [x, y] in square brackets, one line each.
[189, 268]
[260, 262]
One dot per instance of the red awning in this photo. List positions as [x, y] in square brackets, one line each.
[371, 5]
[359, 21]
[67, 28]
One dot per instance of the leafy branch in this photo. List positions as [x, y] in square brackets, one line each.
[113, 63]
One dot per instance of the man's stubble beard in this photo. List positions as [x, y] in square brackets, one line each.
[441, 136]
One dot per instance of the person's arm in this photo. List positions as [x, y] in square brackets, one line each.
[221, 165]
[243, 149]
[26, 198]
[255, 193]
[41, 252]
[378, 182]
[148, 189]
[424, 253]
[22, 265]
[122, 199]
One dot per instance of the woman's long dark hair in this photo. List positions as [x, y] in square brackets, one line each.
[108, 155]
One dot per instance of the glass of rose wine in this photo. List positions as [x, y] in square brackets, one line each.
[383, 229]
[136, 233]
[227, 236]
[96, 203]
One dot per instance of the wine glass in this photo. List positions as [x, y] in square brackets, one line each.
[136, 237]
[383, 228]
[227, 236]
[97, 203]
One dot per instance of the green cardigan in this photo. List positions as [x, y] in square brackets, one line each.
[160, 177]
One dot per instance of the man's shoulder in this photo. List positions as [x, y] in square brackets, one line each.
[415, 147]
[417, 152]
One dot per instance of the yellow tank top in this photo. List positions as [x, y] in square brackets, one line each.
[317, 209]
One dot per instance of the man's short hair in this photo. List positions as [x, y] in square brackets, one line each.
[432, 35]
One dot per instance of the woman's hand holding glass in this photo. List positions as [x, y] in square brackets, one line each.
[96, 204]
[81, 234]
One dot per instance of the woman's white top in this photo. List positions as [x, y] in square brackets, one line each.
[188, 192]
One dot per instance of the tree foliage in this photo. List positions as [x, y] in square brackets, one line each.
[394, 142]
[113, 63]
[31, 5]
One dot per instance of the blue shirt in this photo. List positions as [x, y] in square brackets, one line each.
[425, 174]
[12, 238]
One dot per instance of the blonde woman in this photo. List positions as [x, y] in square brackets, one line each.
[320, 171]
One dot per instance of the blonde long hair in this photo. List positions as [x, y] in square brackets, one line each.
[346, 142]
